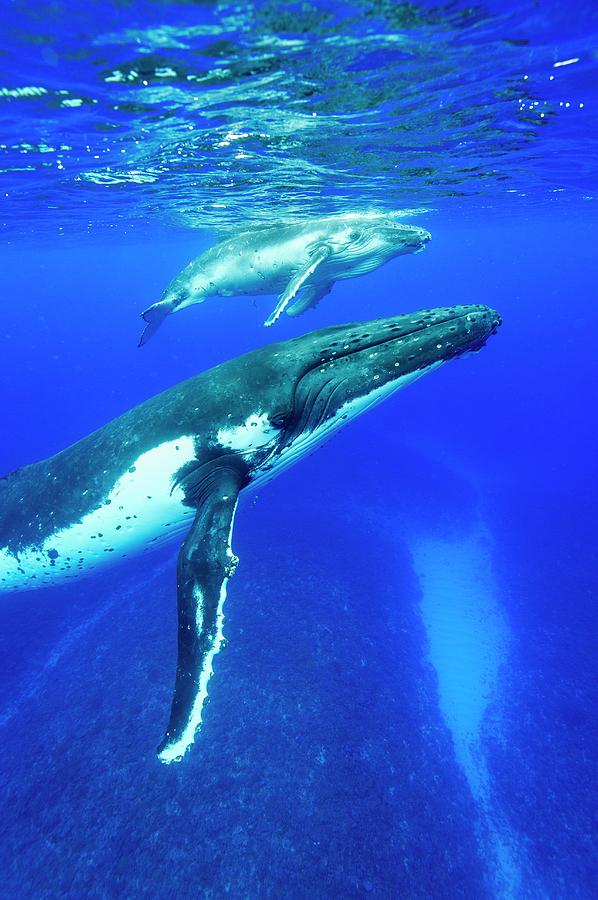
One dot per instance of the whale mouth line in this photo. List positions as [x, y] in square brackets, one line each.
[312, 402]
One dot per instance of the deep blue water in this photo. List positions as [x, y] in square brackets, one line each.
[405, 707]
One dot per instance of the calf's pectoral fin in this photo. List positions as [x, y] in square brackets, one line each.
[309, 297]
[205, 564]
[299, 279]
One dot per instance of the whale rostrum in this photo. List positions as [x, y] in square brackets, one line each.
[176, 465]
[300, 262]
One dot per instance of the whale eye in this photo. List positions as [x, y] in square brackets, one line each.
[279, 420]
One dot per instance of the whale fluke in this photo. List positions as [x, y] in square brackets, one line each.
[153, 316]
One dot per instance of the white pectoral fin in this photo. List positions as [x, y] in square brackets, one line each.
[205, 564]
[299, 280]
[309, 298]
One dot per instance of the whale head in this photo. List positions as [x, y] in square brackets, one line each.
[296, 394]
[366, 242]
[402, 239]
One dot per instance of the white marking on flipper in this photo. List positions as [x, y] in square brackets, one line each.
[297, 281]
[199, 601]
[174, 752]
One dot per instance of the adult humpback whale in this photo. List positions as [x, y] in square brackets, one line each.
[178, 462]
[301, 260]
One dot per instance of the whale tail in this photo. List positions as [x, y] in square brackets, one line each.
[153, 317]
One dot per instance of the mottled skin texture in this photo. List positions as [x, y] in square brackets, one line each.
[302, 390]
[46, 496]
[300, 262]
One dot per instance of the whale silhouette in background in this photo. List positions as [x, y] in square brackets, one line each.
[176, 465]
[300, 262]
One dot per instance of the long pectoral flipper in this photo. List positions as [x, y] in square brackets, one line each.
[299, 279]
[205, 564]
[309, 298]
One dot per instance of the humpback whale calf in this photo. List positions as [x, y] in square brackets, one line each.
[177, 463]
[296, 261]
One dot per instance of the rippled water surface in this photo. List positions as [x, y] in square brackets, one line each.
[211, 113]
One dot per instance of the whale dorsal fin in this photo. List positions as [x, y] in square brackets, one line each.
[205, 564]
[299, 279]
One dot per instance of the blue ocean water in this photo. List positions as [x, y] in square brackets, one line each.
[405, 707]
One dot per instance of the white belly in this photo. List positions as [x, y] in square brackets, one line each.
[140, 512]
